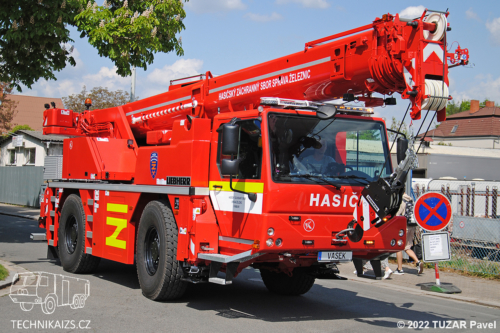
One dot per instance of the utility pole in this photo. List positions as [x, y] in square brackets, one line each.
[132, 88]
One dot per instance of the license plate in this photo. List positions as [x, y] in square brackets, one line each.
[335, 256]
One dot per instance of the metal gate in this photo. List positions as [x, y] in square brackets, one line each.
[21, 185]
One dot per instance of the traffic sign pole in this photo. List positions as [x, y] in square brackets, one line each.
[433, 213]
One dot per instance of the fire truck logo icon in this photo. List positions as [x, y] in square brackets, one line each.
[309, 225]
[153, 164]
[49, 291]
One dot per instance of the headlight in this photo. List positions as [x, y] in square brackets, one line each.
[279, 241]
[270, 231]
[393, 242]
[401, 233]
[269, 242]
[400, 242]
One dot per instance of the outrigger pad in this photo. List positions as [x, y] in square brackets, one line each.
[446, 288]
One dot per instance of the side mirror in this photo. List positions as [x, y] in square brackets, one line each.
[402, 147]
[230, 167]
[230, 139]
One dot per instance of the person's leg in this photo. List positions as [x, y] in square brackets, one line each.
[399, 258]
[388, 271]
[410, 234]
[412, 255]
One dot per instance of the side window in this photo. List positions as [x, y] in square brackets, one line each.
[249, 150]
[30, 155]
[12, 156]
[44, 281]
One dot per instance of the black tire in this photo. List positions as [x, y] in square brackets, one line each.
[280, 283]
[158, 270]
[71, 236]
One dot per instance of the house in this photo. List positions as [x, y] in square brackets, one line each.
[29, 148]
[476, 128]
[30, 110]
[22, 156]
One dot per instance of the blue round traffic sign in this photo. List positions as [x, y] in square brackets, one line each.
[432, 211]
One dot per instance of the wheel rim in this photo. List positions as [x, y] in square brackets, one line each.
[152, 251]
[71, 234]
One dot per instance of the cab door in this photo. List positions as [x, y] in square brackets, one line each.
[238, 216]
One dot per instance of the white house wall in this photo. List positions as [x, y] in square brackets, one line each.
[55, 148]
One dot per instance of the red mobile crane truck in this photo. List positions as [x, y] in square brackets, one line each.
[251, 168]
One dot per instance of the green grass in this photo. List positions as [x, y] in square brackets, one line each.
[3, 273]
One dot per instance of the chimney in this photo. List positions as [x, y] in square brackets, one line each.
[490, 104]
[474, 106]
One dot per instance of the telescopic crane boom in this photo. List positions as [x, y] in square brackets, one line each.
[390, 55]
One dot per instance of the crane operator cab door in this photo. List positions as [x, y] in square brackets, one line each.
[236, 180]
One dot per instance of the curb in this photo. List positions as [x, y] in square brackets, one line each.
[423, 292]
[12, 273]
[20, 215]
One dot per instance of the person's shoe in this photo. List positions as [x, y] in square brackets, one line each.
[356, 272]
[399, 272]
[388, 273]
[420, 267]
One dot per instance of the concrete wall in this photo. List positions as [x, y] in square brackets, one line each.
[490, 143]
[21, 186]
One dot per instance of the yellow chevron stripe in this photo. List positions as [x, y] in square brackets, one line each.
[117, 208]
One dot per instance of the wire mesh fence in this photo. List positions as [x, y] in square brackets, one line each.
[475, 226]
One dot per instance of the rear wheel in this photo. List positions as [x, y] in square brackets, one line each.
[280, 283]
[71, 235]
[158, 270]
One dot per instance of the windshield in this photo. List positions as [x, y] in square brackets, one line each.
[337, 151]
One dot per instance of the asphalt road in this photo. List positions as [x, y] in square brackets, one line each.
[116, 304]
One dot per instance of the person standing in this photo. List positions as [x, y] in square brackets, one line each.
[405, 209]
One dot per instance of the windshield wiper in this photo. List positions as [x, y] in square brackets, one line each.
[309, 176]
[352, 177]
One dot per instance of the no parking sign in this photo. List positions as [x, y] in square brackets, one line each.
[432, 211]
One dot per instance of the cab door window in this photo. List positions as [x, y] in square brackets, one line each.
[249, 150]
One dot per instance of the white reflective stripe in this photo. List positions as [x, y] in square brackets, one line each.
[158, 105]
[236, 202]
[191, 246]
[265, 76]
[366, 214]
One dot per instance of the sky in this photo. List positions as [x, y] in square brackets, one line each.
[223, 36]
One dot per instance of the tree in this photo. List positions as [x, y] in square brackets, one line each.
[17, 128]
[7, 108]
[101, 98]
[454, 107]
[395, 125]
[35, 41]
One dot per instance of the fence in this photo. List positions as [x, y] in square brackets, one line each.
[21, 185]
[475, 227]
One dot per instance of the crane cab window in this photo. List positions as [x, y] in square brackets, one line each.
[249, 150]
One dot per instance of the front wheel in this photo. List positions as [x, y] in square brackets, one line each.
[280, 283]
[27, 306]
[158, 270]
